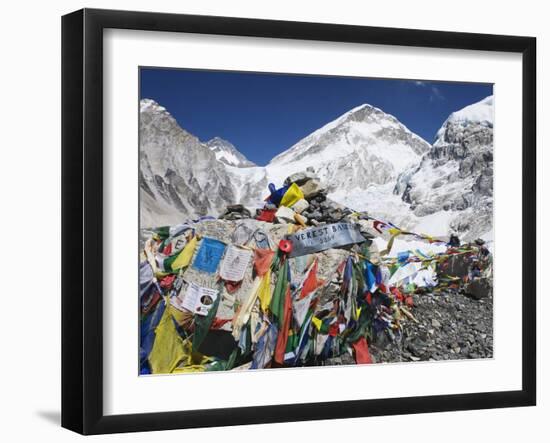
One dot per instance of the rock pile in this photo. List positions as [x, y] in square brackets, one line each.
[309, 207]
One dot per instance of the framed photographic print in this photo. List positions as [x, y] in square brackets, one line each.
[269, 221]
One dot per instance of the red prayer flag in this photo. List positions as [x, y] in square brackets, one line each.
[266, 215]
[167, 281]
[362, 354]
[369, 298]
[262, 260]
[397, 293]
[310, 283]
[333, 330]
[217, 323]
[167, 249]
[283, 334]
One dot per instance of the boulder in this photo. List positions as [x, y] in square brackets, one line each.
[236, 212]
[299, 178]
[300, 206]
[312, 188]
[479, 288]
[455, 266]
[284, 215]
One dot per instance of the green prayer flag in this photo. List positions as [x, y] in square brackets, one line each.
[202, 325]
[278, 298]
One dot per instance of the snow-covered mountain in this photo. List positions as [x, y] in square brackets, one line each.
[227, 153]
[363, 147]
[454, 180]
[358, 157]
[180, 178]
[366, 159]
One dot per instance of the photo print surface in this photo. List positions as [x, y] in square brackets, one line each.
[294, 220]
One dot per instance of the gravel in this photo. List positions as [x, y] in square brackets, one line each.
[451, 326]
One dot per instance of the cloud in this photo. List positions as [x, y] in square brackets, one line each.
[435, 92]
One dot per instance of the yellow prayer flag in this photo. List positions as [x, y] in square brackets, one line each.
[292, 195]
[317, 323]
[185, 256]
[264, 293]
[168, 350]
[171, 353]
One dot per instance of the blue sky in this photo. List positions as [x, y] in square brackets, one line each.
[265, 114]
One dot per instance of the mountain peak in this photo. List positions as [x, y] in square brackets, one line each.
[361, 128]
[481, 113]
[226, 153]
[150, 105]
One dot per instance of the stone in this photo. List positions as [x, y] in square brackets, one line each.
[236, 212]
[300, 219]
[336, 215]
[320, 198]
[479, 288]
[285, 215]
[312, 188]
[315, 214]
[299, 178]
[236, 208]
[455, 266]
[300, 206]
[436, 323]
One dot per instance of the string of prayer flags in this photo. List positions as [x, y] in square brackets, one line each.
[208, 304]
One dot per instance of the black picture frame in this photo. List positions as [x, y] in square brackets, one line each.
[82, 220]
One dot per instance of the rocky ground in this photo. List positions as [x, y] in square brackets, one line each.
[451, 326]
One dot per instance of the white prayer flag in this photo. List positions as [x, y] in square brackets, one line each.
[198, 299]
[235, 263]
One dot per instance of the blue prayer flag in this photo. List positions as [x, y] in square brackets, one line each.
[209, 255]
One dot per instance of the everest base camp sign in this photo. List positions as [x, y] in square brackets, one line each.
[324, 237]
